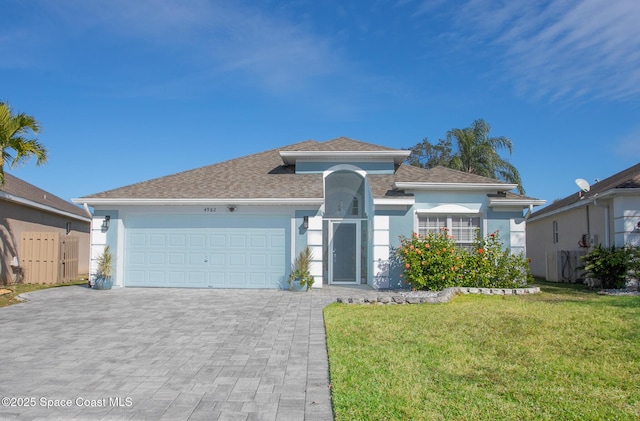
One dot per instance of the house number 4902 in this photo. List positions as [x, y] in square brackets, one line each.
[209, 209]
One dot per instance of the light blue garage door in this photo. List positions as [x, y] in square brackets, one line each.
[206, 251]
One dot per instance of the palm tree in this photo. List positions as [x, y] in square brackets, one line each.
[477, 153]
[17, 141]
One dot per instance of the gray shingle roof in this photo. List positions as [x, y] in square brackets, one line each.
[264, 175]
[626, 179]
[410, 173]
[19, 188]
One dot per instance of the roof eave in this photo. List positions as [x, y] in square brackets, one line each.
[197, 201]
[398, 156]
[586, 201]
[516, 202]
[40, 206]
[393, 201]
[410, 185]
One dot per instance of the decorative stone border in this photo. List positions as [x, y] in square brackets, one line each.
[436, 298]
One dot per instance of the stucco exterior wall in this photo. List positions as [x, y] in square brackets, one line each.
[626, 216]
[594, 222]
[16, 219]
[403, 222]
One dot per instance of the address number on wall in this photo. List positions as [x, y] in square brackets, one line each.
[208, 210]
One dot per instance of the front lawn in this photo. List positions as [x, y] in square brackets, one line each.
[17, 289]
[566, 353]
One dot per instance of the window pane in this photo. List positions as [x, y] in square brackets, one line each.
[463, 228]
[430, 223]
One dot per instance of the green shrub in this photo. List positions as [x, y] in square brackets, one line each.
[434, 262]
[488, 265]
[612, 265]
[300, 270]
[431, 261]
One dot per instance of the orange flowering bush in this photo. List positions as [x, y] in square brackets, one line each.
[431, 261]
[434, 262]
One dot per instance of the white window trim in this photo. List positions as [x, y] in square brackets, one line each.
[468, 212]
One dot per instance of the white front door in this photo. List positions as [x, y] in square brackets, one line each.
[344, 255]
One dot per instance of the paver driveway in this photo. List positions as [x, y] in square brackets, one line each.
[165, 354]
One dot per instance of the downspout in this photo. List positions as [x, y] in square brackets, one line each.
[606, 220]
[86, 209]
[529, 212]
[588, 239]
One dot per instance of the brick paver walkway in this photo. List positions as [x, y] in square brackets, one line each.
[176, 354]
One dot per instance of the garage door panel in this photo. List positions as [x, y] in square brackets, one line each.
[157, 240]
[237, 259]
[217, 259]
[258, 241]
[217, 240]
[201, 252]
[138, 240]
[176, 278]
[237, 240]
[257, 260]
[197, 279]
[177, 258]
[138, 276]
[216, 279]
[137, 258]
[277, 260]
[177, 240]
[277, 241]
[197, 241]
[156, 258]
[156, 277]
[257, 279]
[237, 278]
[197, 259]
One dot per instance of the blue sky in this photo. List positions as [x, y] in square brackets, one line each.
[129, 90]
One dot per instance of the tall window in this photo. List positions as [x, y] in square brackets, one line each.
[462, 227]
[555, 232]
[344, 191]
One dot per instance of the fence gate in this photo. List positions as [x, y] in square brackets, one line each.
[48, 257]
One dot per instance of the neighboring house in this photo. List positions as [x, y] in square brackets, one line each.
[607, 214]
[240, 223]
[45, 239]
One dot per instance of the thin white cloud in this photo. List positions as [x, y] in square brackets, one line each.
[215, 37]
[557, 49]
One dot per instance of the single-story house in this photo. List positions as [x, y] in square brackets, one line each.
[45, 239]
[240, 223]
[606, 213]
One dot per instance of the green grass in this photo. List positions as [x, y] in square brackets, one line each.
[564, 354]
[17, 289]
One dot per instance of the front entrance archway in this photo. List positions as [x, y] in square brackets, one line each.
[346, 209]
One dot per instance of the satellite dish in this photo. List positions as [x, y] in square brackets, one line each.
[583, 184]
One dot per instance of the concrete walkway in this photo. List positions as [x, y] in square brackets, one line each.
[175, 354]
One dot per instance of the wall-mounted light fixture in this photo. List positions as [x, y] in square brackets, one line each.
[305, 222]
[637, 228]
[105, 223]
[231, 208]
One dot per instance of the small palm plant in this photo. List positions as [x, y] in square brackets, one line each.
[300, 270]
[104, 269]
